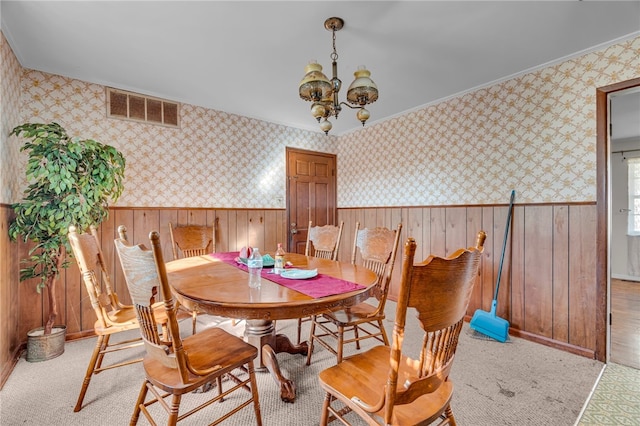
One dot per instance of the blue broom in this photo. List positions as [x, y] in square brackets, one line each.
[488, 323]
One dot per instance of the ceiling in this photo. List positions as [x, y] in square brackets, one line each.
[247, 58]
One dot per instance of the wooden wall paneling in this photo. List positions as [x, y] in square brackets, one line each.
[222, 231]
[71, 292]
[412, 227]
[473, 216]
[438, 231]
[31, 302]
[270, 226]
[504, 292]
[389, 217]
[6, 290]
[61, 296]
[348, 233]
[232, 230]
[348, 216]
[383, 216]
[518, 253]
[582, 276]
[10, 337]
[550, 262]
[395, 216]
[560, 273]
[374, 217]
[144, 221]
[426, 232]
[183, 217]
[538, 264]
[164, 217]
[282, 228]
[241, 236]
[343, 215]
[213, 221]
[456, 229]
[483, 296]
[474, 225]
[255, 226]
[370, 219]
[197, 217]
[107, 232]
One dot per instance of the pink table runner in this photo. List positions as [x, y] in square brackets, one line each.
[319, 286]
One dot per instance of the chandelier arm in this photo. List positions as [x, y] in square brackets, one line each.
[350, 106]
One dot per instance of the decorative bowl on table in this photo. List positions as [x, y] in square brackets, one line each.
[267, 261]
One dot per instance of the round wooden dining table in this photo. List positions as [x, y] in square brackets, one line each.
[216, 287]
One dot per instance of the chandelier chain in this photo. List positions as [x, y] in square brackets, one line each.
[334, 55]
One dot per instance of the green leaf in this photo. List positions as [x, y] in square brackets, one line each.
[69, 181]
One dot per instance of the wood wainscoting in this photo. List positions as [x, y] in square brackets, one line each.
[547, 288]
[548, 282]
[10, 339]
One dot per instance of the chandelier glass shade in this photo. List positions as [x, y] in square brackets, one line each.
[315, 87]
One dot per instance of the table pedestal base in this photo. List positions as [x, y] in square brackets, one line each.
[262, 335]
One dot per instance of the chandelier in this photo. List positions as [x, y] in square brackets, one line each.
[317, 88]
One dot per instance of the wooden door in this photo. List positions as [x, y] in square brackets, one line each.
[311, 194]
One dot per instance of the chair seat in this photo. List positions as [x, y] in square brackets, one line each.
[236, 352]
[356, 314]
[125, 319]
[368, 373]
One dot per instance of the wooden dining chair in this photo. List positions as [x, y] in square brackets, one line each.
[189, 241]
[112, 316]
[192, 240]
[375, 249]
[175, 368]
[322, 242]
[385, 386]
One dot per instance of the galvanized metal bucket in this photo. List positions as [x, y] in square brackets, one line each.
[41, 347]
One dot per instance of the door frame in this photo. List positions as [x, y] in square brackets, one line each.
[603, 212]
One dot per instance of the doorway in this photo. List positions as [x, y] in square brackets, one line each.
[608, 235]
[311, 194]
[624, 230]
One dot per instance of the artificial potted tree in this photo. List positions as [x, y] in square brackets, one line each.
[70, 182]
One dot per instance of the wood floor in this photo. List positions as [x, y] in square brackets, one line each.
[625, 322]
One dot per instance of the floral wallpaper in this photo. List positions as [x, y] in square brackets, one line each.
[10, 72]
[534, 133]
[214, 160]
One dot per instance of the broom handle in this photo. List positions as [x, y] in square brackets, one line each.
[504, 243]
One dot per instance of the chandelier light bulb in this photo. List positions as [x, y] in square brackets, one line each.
[325, 126]
[363, 115]
[318, 110]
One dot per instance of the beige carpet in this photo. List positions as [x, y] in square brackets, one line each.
[514, 383]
